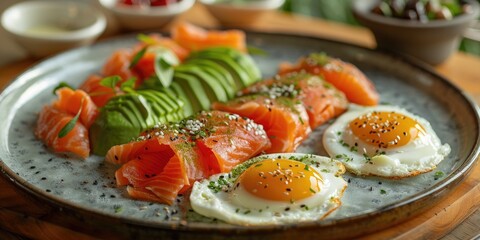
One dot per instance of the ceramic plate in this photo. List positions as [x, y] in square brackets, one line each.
[86, 188]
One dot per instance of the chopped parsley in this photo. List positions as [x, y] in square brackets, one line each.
[438, 175]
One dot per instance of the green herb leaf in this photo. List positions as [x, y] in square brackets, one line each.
[165, 60]
[137, 57]
[438, 175]
[71, 124]
[111, 81]
[146, 39]
[61, 85]
[128, 85]
[256, 51]
[307, 168]
[383, 191]
[117, 208]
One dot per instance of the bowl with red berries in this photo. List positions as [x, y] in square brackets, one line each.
[145, 14]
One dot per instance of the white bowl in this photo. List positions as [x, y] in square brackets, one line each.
[47, 27]
[473, 31]
[239, 14]
[143, 18]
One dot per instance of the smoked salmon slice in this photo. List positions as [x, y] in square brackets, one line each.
[284, 119]
[229, 140]
[167, 159]
[156, 40]
[49, 124]
[344, 76]
[71, 101]
[163, 187]
[195, 38]
[321, 100]
[118, 64]
[99, 94]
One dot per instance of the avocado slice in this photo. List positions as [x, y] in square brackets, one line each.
[212, 87]
[193, 90]
[242, 79]
[187, 106]
[223, 76]
[244, 60]
[109, 129]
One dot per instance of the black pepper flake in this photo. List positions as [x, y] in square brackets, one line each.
[43, 178]
[48, 190]
[32, 167]
[287, 209]
[37, 172]
[50, 159]
[95, 182]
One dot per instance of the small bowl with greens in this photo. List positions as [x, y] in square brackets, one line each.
[240, 13]
[429, 30]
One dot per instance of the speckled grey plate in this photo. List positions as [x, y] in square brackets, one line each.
[86, 189]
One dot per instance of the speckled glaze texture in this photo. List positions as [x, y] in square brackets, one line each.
[85, 189]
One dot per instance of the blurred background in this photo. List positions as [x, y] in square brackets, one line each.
[333, 10]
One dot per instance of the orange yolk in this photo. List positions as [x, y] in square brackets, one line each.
[386, 129]
[281, 180]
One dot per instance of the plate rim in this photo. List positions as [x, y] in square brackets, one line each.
[451, 180]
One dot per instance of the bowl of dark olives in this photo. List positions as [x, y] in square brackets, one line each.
[429, 30]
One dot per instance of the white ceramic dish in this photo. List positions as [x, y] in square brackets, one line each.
[142, 18]
[232, 13]
[48, 27]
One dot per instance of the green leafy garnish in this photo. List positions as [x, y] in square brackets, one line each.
[61, 85]
[145, 39]
[383, 191]
[256, 51]
[71, 124]
[128, 85]
[137, 57]
[117, 208]
[111, 81]
[438, 175]
[320, 59]
[165, 60]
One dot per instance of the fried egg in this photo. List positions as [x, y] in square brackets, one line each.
[272, 189]
[385, 141]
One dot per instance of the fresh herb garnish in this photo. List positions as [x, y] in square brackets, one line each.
[382, 191]
[111, 81]
[61, 85]
[165, 60]
[117, 208]
[256, 51]
[137, 57]
[438, 175]
[129, 85]
[146, 39]
[71, 124]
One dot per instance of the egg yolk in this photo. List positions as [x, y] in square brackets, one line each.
[386, 129]
[281, 180]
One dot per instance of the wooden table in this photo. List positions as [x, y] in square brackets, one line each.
[22, 216]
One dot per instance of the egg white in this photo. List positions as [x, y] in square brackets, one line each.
[421, 155]
[237, 206]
